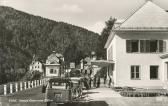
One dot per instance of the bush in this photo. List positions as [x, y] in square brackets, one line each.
[33, 75]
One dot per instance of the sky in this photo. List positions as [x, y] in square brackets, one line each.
[89, 14]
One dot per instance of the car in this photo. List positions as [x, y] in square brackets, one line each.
[63, 90]
[77, 86]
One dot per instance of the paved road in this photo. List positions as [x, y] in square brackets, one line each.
[34, 94]
[95, 97]
[112, 98]
[102, 93]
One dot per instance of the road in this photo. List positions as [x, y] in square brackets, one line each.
[94, 97]
[112, 98]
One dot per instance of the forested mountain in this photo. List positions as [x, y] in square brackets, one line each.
[23, 35]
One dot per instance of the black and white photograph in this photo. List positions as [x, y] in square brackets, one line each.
[83, 52]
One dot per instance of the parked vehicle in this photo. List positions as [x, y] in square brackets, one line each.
[77, 86]
[63, 90]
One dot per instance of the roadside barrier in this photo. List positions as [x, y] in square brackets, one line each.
[14, 87]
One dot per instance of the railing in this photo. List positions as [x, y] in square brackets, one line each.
[14, 87]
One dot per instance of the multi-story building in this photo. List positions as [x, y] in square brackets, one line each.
[138, 48]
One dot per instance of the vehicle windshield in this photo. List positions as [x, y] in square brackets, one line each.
[57, 85]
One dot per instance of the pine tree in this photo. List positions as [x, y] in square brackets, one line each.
[104, 36]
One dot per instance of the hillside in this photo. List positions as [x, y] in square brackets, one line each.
[24, 35]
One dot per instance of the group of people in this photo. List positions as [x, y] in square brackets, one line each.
[94, 82]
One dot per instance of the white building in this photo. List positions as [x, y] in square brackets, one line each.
[36, 66]
[138, 48]
[53, 66]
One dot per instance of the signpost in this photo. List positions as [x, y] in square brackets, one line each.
[72, 65]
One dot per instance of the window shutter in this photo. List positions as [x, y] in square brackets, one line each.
[142, 46]
[164, 46]
[128, 46]
[160, 45]
[147, 46]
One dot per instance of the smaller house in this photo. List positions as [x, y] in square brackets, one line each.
[36, 66]
[53, 65]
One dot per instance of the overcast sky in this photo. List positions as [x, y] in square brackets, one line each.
[90, 14]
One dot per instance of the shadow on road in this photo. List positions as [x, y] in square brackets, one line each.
[85, 93]
[91, 103]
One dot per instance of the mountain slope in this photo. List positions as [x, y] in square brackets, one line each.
[24, 35]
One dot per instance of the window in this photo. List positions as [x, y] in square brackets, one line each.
[132, 46]
[145, 46]
[135, 74]
[154, 72]
[51, 71]
[162, 46]
[153, 45]
[135, 46]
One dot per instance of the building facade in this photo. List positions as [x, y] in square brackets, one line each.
[36, 66]
[53, 65]
[138, 48]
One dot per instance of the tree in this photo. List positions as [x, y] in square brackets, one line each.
[23, 35]
[34, 75]
[73, 54]
[104, 36]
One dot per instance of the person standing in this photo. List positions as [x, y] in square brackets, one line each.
[110, 83]
[98, 81]
[105, 79]
[90, 81]
[94, 81]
